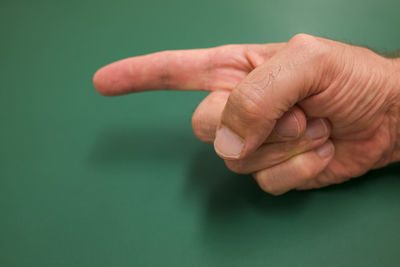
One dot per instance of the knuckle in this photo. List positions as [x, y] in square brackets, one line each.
[307, 173]
[304, 171]
[235, 52]
[312, 48]
[263, 179]
[302, 39]
[225, 55]
[227, 47]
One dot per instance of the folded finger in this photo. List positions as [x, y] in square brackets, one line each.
[207, 115]
[269, 155]
[295, 171]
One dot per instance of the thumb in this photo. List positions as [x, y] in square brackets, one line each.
[266, 94]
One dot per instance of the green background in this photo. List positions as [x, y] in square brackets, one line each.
[92, 181]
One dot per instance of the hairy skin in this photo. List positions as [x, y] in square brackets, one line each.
[264, 92]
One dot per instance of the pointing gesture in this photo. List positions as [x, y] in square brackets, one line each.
[298, 115]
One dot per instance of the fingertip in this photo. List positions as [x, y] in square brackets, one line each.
[107, 80]
[228, 144]
[328, 125]
[99, 83]
[291, 125]
[325, 151]
[317, 128]
[300, 118]
[296, 172]
[116, 78]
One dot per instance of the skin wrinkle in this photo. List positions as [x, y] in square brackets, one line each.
[249, 58]
[217, 65]
[165, 75]
[210, 67]
[272, 76]
[348, 74]
[238, 60]
[241, 59]
[364, 110]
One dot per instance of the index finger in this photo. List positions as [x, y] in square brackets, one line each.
[198, 69]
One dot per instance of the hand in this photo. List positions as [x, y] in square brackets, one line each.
[353, 88]
[218, 70]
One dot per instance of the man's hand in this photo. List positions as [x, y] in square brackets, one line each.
[298, 115]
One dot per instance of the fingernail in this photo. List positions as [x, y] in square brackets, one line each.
[325, 150]
[227, 143]
[285, 129]
[316, 129]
